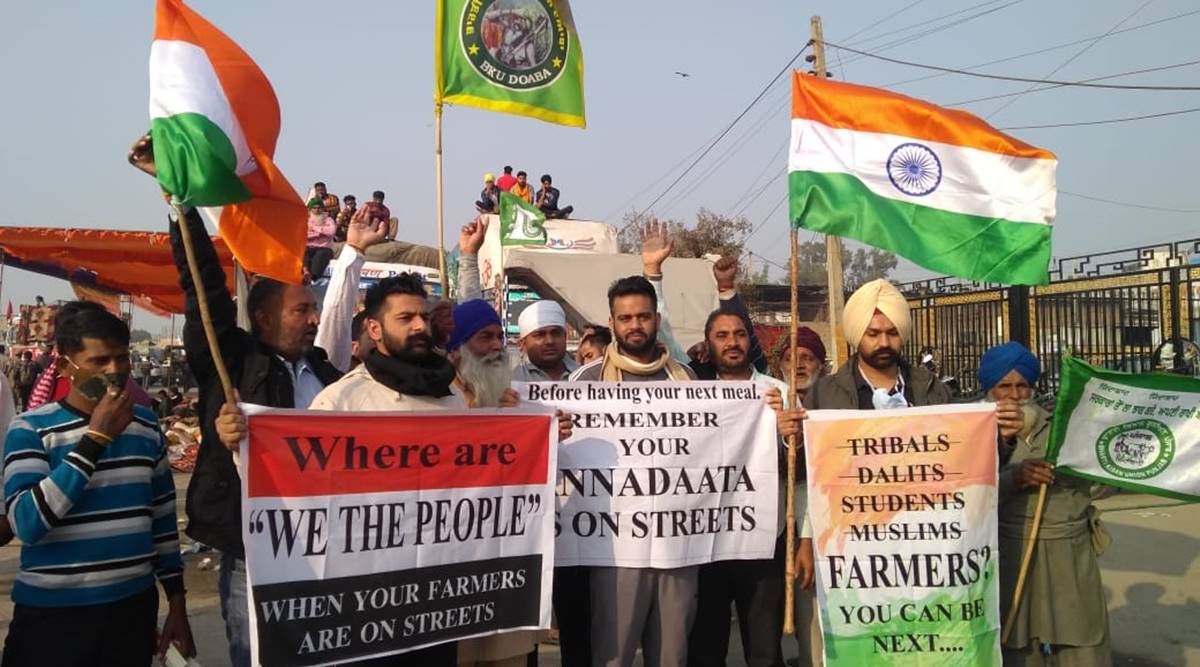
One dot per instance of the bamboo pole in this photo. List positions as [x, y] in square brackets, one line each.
[437, 162]
[1033, 532]
[789, 585]
[210, 334]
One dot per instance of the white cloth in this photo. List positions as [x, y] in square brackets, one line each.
[358, 391]
[338, 307]
[541, 315]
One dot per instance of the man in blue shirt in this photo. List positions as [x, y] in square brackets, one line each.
[89, 491]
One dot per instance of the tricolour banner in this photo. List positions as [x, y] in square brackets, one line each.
[903, 511]
[1140, 432]
[369, 534]
[663, 474]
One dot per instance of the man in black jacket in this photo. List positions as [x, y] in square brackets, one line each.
[275, 364]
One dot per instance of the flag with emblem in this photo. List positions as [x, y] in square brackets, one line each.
[937, 186]
[521, 223]
[214, 121]
[1140, 432]
[515, 56]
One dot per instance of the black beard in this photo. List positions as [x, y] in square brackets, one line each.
[882, 359]
[406, 352]
[630, 350]
[718, 362]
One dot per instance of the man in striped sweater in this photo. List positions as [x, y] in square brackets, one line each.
[89, 491]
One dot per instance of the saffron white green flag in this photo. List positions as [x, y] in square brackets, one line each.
[521, 223]
[1139, 432]
[937, 186]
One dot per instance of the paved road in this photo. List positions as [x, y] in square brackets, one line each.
[1151, 579]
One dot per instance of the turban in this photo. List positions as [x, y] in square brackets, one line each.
[877, 295]
[1002, 359]
[315, 202]
[811, 341]
[488, 178]
[470, 318]
[541, 315]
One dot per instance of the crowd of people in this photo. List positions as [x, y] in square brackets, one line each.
[402, 353]
[546, 198]
[329, 220]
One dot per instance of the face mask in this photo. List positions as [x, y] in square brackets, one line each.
[883, 399]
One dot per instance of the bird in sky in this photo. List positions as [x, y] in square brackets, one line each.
[683, 74]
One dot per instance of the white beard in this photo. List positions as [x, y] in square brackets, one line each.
[487, 377]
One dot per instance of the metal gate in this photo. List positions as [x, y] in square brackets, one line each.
[1131, 310]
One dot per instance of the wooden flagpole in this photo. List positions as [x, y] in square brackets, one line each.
[1033, 532]
[437, 161]
[789, 577]
[210, 334]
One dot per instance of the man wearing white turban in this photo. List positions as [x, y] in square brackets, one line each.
[543, 327]
[876, 322]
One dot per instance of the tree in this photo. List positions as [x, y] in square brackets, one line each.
[712, 234]
[858, 267]
[139, 336]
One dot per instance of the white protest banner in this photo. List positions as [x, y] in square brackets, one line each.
[903, 511]
[369, 534]
[663, 474]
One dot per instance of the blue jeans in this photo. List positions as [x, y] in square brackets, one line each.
[235, 608]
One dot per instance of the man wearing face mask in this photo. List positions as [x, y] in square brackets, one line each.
[1063, 600]
[875, 321]
[91, 496]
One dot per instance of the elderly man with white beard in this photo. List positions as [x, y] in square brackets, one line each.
[476, 348]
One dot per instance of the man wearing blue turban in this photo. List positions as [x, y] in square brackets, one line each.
[1062, 604]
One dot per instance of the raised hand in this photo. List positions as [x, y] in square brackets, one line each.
[657, 245]
[725, 271]
[363, 232]
[141, 155]
[470, 240]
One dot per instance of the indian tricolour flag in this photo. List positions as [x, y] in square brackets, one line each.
[214, 123]
[937, 186]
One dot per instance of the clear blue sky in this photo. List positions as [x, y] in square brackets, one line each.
[355, 82]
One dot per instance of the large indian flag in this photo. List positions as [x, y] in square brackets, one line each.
[214, 122]
[937, 186]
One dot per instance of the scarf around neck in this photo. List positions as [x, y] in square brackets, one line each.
[616, 365]
[429, 376]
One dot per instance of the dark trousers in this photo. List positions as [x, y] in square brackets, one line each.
[117, 634]
[573, 611]
[316, 259]
[755, 588]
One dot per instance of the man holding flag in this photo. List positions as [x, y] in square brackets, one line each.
[1063, 604]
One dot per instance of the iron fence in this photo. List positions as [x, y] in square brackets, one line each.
[1132, 310]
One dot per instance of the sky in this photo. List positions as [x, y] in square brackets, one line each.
[355, 84]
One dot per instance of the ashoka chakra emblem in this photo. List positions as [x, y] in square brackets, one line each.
[914, 169]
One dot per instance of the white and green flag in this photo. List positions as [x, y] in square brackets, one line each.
[521, 223]
[1139, 432]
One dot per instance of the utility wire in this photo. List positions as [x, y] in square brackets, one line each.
[1072, 59]
[1000, 77]
[1109, 121]
[884, 19]
[1095, 78]
[786, 68]
[909, 39]
[1144, 207]
[1040, 51]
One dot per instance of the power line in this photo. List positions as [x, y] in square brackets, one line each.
[1095, 78]
[1046, 49]
[1144, 207]
[909, 39]
[786, 68]
[1103, 122]
[1072, 59]
[884, 19]
[926, 23]
[1000, 77]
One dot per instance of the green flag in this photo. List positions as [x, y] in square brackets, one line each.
[515, 56]
[1139, 432]
[521, 223]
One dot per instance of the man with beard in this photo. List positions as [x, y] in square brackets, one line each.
[402, 373]
[274, 364]
[1063, 602]
[544, 357]
[632, 606]
[476, 349]
[754, 586]
[875, 321]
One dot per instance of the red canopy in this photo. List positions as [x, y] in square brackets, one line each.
[139, 264]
